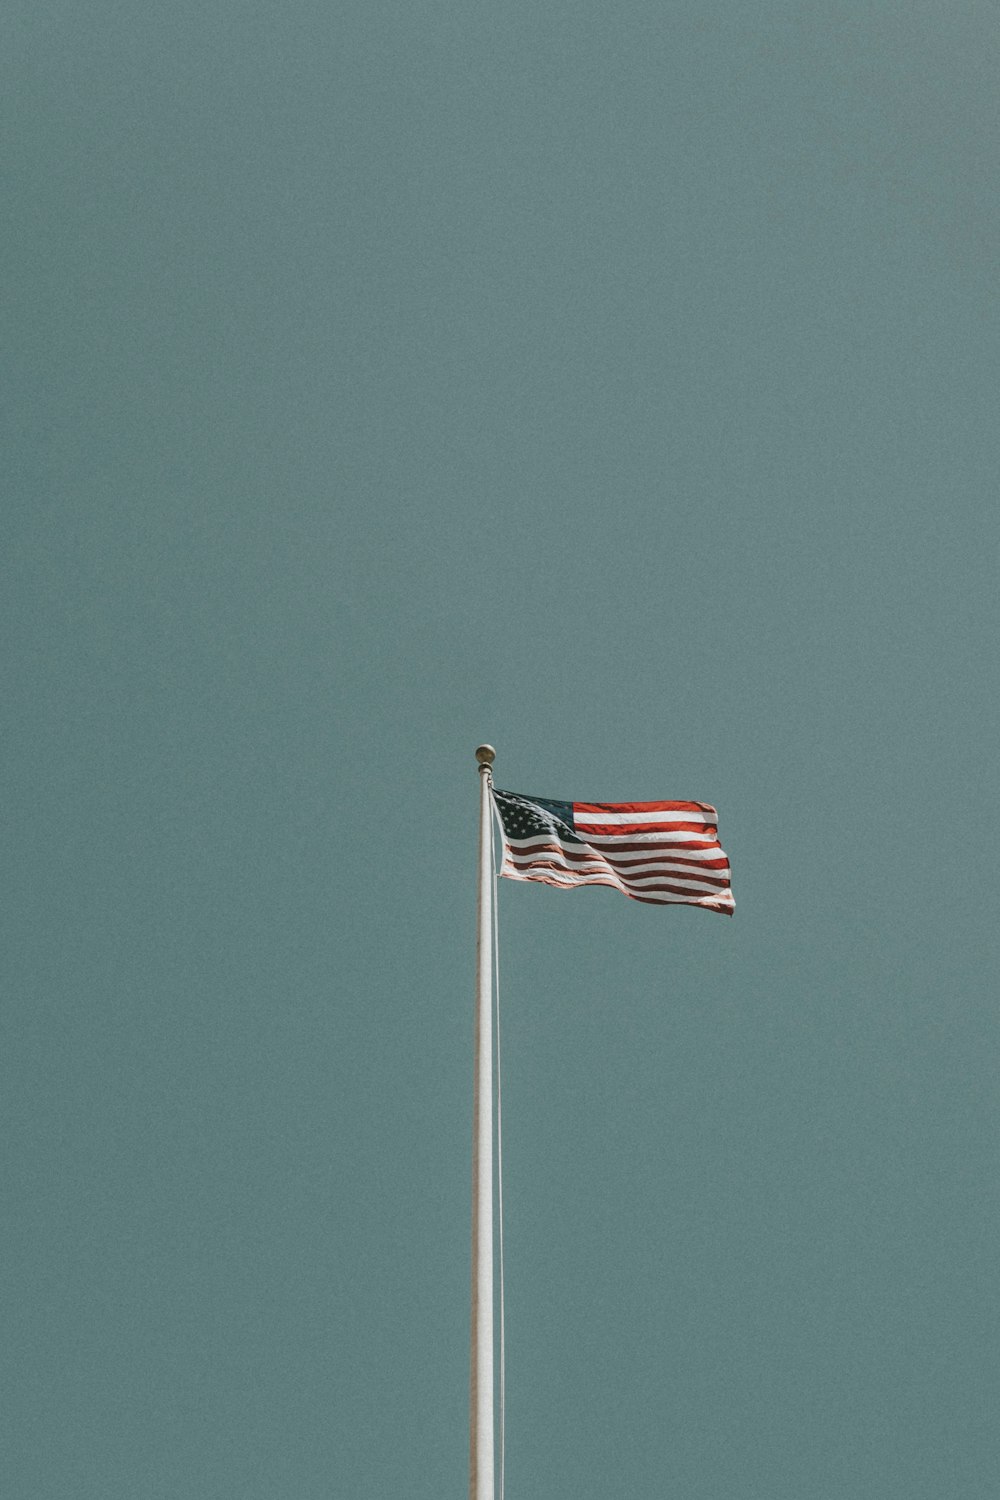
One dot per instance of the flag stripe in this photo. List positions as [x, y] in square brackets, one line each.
[556, 860]
[652, 841]
[640, 822]
[607, 877]
[723, 901]
[612, 831]
[550, 857]
[696, 854]
[705, 869]
[617, 826]
[643, 881]
[620, 812]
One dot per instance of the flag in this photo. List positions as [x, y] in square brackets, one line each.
[664, 852]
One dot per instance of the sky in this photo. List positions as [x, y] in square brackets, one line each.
[617, 384]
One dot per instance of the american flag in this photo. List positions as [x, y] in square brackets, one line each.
[664, 852]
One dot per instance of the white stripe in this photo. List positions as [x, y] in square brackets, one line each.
[725, 896]
[547, 861]
[627, 867]
[622, 856]
[676, 873]
[581, 818]
[688, 880]
[719, 898]
[689, 883]
[644, 870]
[704, 848]
[666, 836]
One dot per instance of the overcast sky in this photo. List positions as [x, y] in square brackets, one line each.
[617, 383]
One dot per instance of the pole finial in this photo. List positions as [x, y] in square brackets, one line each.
[486, 755]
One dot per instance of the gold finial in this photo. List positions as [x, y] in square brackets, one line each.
[486, 755]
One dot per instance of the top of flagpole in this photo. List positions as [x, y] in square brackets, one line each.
[486, 755]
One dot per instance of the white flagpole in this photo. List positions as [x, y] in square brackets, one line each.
[481, 1389]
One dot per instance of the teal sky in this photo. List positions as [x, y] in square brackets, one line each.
[617, 384]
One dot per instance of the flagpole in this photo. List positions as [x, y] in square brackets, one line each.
[481, 1382]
